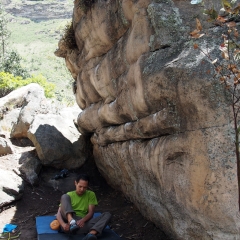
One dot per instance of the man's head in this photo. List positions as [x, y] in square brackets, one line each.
[81, 184]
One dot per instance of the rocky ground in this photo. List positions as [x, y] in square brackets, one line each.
[126, 221]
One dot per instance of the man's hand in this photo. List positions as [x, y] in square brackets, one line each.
[80, 223]
[66, 227]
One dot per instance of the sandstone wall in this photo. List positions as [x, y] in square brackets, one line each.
[161, 125]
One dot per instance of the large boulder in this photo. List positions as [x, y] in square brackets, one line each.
[18, 108]
[34, 102]
[161, 125]
[57, 141]
[15, 99]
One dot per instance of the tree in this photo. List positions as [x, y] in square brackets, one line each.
[11, 63]
[4, 33]
[10, 60]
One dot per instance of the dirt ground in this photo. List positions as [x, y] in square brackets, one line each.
[41, 200]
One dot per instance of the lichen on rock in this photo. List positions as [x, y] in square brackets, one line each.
[160, 124]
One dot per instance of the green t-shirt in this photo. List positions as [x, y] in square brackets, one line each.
[80, 203]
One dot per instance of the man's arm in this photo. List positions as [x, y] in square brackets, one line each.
[64, 225]
[91, 209]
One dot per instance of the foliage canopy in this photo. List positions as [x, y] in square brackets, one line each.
[8, 83]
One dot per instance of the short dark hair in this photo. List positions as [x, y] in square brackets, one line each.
[82, 176]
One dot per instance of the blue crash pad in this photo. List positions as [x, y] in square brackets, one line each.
[46, 233]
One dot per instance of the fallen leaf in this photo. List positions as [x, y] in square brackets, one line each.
[194, 33]
[218, 69]
[235, 33]
[214, 61]
[231, 24]
[198, 25]
[235, 70]
[231, 66]
[225, 55]
[236, 9]
[200, 35]
[195, 46]
[221, 19]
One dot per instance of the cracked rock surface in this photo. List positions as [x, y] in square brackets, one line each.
[161, 125]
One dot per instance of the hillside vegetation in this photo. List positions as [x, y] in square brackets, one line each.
[36, 39]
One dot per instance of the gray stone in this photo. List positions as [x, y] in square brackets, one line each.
[35, 103]
[31, 104]
[30, 167]
[5, 146]
[58, 142]
[11, 187]
[9, 119]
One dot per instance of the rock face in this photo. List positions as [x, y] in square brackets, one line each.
[161, 125]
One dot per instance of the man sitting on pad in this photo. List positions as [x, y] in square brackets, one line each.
[76, 210]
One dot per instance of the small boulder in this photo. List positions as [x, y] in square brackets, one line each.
[11, 187]
[9, 119]
[30, 167]
[5, 147]
[57, 140]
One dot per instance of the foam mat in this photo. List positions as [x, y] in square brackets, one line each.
[46, 233]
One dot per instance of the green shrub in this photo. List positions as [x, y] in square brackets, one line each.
[68, 37]
[8, 83]
[11, 64]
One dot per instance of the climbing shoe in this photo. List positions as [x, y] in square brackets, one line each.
[73, 227]
[90, 236]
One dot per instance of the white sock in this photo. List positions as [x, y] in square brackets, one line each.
[72, 221]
